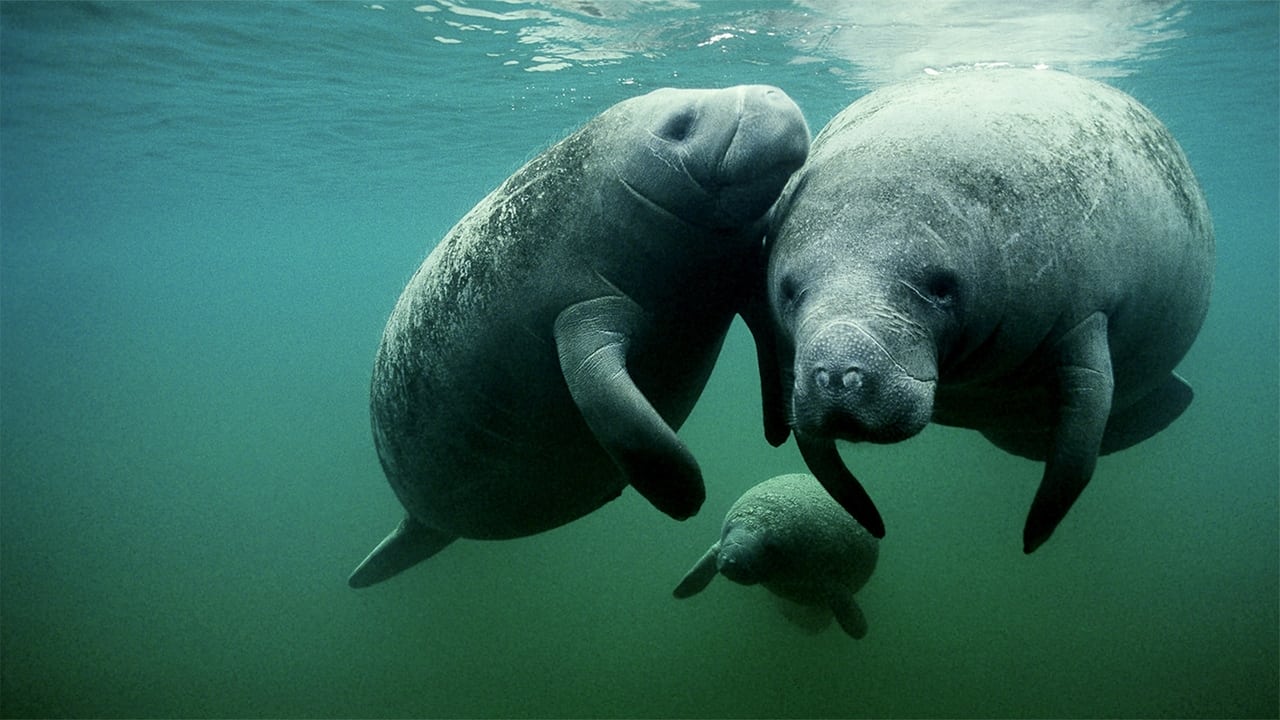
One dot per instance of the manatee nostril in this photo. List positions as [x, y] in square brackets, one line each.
[848, 379]
[822, 378]
[852, 377]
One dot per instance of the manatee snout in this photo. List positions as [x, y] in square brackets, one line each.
[742, 557]
[849, 386]
[769, 141]
[770, 123]
[724, 154]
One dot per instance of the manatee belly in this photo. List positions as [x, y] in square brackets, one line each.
[477, 432]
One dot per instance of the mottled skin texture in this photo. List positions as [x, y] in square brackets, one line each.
[1021, 252]
[790, 536]
[546, 351]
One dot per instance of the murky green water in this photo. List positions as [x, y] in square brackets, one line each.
[208, 210]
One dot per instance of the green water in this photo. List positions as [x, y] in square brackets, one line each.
[208, 210]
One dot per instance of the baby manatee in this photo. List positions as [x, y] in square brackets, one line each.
[790, 536]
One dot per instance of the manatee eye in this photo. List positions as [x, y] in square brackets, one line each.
[937, 286]
[942, 287]
[787, 290]
[678, 125]
[790, 295]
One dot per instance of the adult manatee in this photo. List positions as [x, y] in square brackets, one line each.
[1021, 252]
[788, 535]
[547, 349]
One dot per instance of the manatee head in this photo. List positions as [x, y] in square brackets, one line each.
[746, 555]
[712, 158]
[867, 297]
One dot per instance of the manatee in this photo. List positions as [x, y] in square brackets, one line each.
[1020, 252]
[790, 536]
[548, 348]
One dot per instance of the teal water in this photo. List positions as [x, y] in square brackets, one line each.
[207, 211]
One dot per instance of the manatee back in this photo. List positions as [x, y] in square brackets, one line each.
[467, 359]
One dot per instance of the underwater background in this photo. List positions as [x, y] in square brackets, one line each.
[208, 210]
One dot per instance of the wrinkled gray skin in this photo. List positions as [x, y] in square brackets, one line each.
[1021, 252]
[546, 351]
[790, 536]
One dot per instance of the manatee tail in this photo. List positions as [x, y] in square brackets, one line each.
[409, 544]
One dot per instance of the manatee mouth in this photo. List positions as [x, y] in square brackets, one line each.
[829, 422]
[848, 424]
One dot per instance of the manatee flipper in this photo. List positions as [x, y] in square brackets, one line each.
[409, 544]
[592, 339]
[1148, 416]
[1085, 386]
[759, 319]
[848, 613]
[700, 575]
[824, 461]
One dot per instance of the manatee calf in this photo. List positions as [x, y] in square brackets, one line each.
[547, 349]
[1021, 252]
[788, 535]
